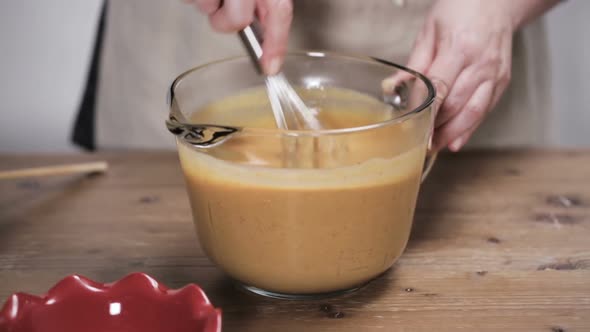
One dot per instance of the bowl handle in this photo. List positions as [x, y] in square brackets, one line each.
[428, 163]
[431, 154]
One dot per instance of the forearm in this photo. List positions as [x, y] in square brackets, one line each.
[524, 11]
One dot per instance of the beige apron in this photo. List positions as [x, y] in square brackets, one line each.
[149, 42]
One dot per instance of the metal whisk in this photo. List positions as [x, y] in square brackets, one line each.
[289, 110]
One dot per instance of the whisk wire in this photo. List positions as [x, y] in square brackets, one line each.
[289, 109]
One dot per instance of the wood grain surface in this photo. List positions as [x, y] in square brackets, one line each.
[501, 242]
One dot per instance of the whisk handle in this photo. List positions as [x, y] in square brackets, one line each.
[252, 39]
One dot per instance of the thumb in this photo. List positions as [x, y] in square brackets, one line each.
[419, 60]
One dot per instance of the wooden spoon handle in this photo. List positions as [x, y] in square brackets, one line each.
[90, 167]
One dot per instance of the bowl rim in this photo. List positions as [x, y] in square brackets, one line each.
[428, 101]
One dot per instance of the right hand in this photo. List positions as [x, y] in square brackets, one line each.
[275, 16]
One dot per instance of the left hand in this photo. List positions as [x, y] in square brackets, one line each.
[466, 46]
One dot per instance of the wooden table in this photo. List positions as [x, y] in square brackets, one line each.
[501, 241]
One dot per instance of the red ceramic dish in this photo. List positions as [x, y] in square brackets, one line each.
[134, 303]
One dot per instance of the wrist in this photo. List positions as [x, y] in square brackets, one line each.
[522, 12]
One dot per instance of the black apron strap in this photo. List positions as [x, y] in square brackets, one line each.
[83, 133]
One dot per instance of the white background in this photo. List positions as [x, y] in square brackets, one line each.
[46, 48]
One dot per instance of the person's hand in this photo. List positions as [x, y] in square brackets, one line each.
[465, 46]
[275, 16]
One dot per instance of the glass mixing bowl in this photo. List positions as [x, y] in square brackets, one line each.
[296, 213]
